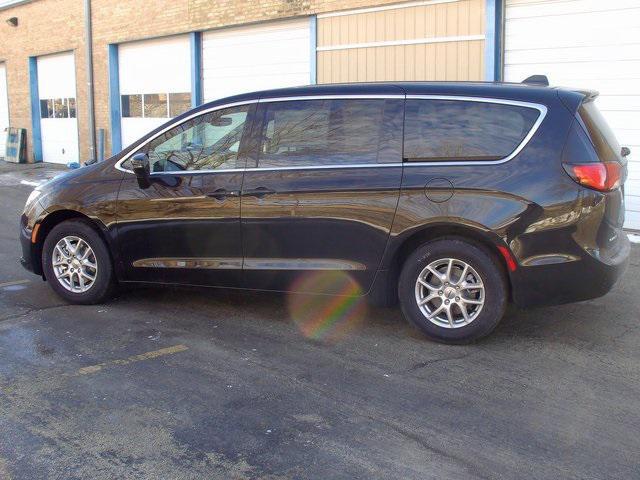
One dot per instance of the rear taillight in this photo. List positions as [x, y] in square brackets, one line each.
[604, 177]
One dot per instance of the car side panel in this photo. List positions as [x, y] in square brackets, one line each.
[528, 203]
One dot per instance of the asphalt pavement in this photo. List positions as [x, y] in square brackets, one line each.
[196, 383]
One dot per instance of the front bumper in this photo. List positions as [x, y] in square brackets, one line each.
[591, 276]
[30, 257]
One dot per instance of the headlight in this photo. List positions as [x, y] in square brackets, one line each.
[33, 196]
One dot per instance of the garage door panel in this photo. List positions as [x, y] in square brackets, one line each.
[574, 54]
[543, 8]
[57, 93]
[633, 203]
[150, 70]
[584, 44]
[519, 38]
[619, 102]
[596, 70]
[258, 57]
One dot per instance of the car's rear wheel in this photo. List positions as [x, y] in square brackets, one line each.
[452, 290]
[77, 264]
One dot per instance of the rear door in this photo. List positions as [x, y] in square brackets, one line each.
[321, 189]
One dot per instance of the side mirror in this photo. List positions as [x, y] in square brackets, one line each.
[140, 166]
[625, 151]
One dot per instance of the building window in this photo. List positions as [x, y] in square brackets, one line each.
[58, 108]
[155, 105]
[132, 105]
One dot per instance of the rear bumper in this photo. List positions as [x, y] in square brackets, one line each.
[591, 276]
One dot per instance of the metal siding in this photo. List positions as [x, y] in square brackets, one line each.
[587, 44]
[439, 46]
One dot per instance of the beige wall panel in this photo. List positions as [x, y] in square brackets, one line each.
[453, 60]
[435, 61]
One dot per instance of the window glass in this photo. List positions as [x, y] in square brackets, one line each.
[132, 105]
[179, 103]
[46, 108]
[328, 132]
[155, 105]
[60, 109]
[72, 107]
[440, 130]
[208, 142]
[603, 139]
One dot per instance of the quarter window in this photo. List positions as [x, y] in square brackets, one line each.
[329, 132]
[208, 142]
[449, 130]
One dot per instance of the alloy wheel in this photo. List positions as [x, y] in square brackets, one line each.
[450, 293]
[74, 264]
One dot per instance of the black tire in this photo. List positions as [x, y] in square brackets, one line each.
[484, 264]
[102, 287]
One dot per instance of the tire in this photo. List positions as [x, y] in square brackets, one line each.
[102, 285]
[482, 270]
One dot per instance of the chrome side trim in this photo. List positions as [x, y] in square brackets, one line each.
[332, 97]
[301, 264]
[234, 263]
[541, 108]
[200, 263]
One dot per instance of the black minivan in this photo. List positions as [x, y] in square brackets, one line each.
[453, 198]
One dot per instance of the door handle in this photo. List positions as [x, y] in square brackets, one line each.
[258, 192]
[223, 193]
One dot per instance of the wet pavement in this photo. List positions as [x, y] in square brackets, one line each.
[180, 383]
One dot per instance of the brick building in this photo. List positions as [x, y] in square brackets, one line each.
[151, 59]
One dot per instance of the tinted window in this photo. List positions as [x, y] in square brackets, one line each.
[208, 142]
[330, 132]
[602, 137]
[440, 130]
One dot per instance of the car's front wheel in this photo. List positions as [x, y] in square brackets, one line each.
[452, 290]
[77, 264]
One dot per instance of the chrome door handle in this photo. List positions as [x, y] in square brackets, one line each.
[258, 192]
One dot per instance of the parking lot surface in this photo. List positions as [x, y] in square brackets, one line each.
[192, 384]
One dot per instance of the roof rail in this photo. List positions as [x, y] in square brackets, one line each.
[540, 80]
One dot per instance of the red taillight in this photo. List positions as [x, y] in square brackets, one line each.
[604, 176]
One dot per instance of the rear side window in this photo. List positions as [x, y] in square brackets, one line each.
[602, 137]
[459, 130]
[330, 132]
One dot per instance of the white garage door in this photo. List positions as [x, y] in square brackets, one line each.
[4, 109]
[258, 57]
[58, 122]
[590, 44]
[155, 83]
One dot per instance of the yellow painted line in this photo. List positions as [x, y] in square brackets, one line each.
[15, 282]
[134, 358]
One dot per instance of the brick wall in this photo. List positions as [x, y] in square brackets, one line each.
[50, 26]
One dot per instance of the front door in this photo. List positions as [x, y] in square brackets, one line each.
[185, 228]
[321, 191]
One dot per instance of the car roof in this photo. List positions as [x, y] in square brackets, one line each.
[499, 90]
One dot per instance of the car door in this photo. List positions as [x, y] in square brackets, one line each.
[185, 228]
[320, 190]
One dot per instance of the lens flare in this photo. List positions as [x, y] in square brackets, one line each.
[330, 316]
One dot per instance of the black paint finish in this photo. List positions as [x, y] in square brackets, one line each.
[567, 240]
